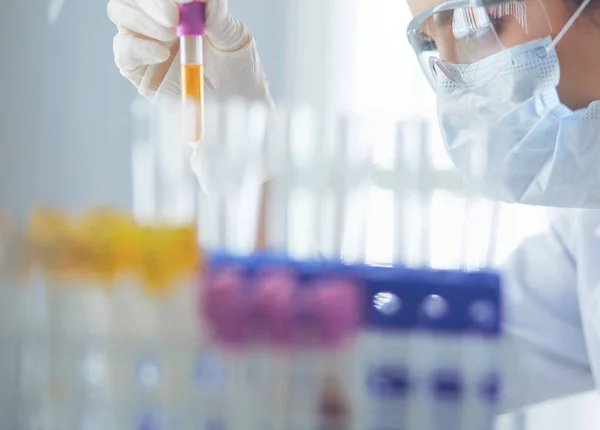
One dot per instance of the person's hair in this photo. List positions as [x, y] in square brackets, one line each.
[594, 4]
[592, 10]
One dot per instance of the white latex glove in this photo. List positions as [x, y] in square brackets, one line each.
[146, 49]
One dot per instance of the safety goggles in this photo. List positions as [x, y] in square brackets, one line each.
[463, 32]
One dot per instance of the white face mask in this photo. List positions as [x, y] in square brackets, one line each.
[537, 150]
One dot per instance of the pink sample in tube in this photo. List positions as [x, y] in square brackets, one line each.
[222, 304]
[337, 307]
[272, 306]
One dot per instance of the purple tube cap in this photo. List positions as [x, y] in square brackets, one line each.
[326, 313]
[191, 18]
[337, 306]
[221, 305]
[273, 305]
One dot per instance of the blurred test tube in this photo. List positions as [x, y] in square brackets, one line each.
[231, 167]
[481, 215]
[164, 186]
[412, 190]
[12, 265]
[318, 198]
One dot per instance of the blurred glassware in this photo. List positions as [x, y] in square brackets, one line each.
[298, 181]
[54, 9]
[312, 183]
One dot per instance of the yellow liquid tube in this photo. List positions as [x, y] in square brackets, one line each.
[192, 87]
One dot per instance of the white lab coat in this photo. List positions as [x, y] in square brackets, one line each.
[552, 285]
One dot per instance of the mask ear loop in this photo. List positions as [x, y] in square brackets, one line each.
[567, 26]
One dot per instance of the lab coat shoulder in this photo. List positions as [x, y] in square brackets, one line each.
[543, 315]
[587, 254]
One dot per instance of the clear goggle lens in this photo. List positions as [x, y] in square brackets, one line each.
[464, 32]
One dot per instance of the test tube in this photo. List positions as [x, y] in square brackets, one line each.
[11, 263]
[190, 30]
[383, 375]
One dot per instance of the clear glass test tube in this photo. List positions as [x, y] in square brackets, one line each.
[191, 31]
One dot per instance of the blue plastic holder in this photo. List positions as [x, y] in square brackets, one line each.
[419, 298]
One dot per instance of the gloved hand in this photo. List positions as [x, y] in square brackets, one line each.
[146, 49]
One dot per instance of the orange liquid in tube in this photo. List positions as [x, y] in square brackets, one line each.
[192, 93]
[190, 30]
